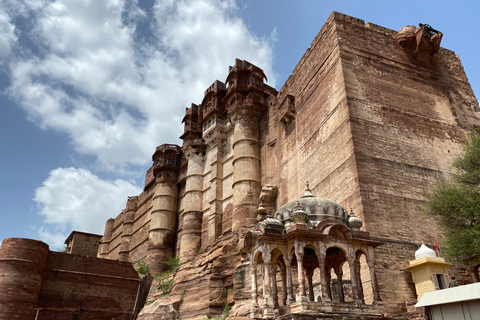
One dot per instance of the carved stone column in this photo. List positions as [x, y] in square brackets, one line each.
[323, 278]
[273, 276]
[341, 296]
[288, 267]
[328, 278]
[192, 199]
[267, 287]
[301, 275]
[284, 287]
[246, 167]
[311, 296]
[255, 307]
[376, 291]
[353, 275]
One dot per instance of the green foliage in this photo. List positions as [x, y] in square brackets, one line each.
[141, 267]
[165, 279]
[164, 282]
[65, 249]
[456, 206]
[173, 263]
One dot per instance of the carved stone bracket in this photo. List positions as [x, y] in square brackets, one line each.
[267, 201]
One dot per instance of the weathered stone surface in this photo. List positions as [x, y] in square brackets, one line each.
[370, 117]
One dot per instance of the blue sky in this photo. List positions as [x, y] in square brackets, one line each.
[89, 88]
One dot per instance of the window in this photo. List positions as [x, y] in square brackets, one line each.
[440, 281]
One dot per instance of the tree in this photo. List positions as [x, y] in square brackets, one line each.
[456, 205]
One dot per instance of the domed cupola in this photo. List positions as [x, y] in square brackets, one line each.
[425, 251]
[316, 209]
[299, 216]
[353, 222]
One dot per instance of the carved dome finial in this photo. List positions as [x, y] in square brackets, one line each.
[308, 192]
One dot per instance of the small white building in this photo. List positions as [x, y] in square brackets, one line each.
[457, 303]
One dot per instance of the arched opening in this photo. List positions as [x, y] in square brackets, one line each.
[334, 261]
[362, 272]
[310, 263]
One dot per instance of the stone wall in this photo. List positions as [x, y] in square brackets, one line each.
[36, 283]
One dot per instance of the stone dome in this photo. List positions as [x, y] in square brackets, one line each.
[317, 209]
[424, 251]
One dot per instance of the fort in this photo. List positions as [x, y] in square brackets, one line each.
[370, 117]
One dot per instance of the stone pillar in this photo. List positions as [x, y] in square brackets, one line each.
[104, 248]
[163, 219]
[311, 296]
[353, 276]
[192, 199]
[273, 276]
[22, 263]
[324, 279]
[376, 291]
[267, 286]
[128, 218]
[341, 296]
[246, 168]
[301, 275]
[215, 140]
[328, 281]
[284, 287]
[288, 269]
[253, 273]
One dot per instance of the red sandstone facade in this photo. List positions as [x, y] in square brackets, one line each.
[371, 117]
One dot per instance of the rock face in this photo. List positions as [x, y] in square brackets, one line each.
[369, 116]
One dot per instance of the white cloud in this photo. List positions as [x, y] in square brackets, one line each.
[8, 38]
[118, 95]
[75, 199]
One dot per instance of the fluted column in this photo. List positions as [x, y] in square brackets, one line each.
[129, 217]
[104, 248]
[246, 168]
[162, 223]
[192, 199]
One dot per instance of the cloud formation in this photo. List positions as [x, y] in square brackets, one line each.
[75, 199]
[116, 78]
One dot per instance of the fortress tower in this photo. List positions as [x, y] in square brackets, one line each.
[371, 117]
